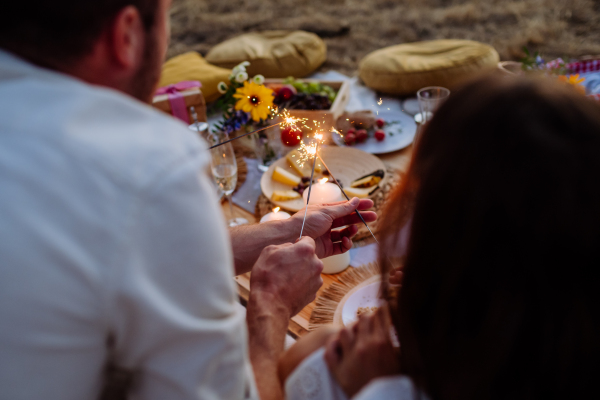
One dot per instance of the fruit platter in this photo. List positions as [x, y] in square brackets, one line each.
[315, 100]
[285, 182]
[375, 133]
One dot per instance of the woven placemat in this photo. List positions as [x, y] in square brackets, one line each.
[264, 205]
[329, 300]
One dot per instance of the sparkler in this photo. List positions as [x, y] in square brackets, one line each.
[288, 121]
[312, 150]
[346, 196]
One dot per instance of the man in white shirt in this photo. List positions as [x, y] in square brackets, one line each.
[111, 242]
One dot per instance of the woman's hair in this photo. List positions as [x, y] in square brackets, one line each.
[500, 295]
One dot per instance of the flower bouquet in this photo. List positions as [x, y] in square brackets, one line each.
[583, 74]
[247, 105]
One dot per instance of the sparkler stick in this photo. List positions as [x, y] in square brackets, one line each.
[346, 196]
[312, 174]
[241, 136]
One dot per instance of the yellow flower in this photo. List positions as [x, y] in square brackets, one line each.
[574, 80]
[254, 99]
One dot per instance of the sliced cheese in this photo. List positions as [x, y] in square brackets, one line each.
[361, 193]
[304, 169]
[285, 195]
[287, 178]
[369, 181]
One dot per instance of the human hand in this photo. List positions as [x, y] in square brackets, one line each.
[362, 352]
[322, 220]
[289, 272]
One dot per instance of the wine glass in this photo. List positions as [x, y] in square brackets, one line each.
[224, 171]
[430, 98]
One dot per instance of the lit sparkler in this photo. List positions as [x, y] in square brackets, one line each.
[287, 120]
[312, 150]
[346, 196]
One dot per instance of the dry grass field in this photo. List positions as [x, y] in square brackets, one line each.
[354, 28]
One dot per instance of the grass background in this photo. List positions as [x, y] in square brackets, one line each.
[354, 28]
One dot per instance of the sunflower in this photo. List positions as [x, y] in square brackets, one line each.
[254, 99]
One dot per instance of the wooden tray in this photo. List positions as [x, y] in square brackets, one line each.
[326, 118]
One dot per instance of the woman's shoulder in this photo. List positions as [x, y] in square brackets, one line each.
[396, 387]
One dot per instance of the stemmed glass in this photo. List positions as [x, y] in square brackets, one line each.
[224, 171]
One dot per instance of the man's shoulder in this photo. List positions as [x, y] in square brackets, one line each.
[94, 125]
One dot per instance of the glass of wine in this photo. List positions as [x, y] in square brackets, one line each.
[224, 171]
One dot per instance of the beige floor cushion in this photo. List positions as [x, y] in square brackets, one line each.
[192, 67]
[274, 54]
[403, 69]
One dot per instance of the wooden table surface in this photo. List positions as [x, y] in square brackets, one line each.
[299, 323]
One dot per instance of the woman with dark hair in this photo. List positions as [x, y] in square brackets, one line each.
[500, 293]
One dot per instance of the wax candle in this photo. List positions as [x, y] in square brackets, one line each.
[276, 215]
[323, 192]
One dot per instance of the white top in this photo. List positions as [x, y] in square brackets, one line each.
[311, 380]
[108, 227]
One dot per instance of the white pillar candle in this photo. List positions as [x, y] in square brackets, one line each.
[276, 215]
[323, 192]
[336, 264]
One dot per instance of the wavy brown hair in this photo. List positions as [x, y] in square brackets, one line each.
[500, 295]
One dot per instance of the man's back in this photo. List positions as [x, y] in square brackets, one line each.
[108, 230]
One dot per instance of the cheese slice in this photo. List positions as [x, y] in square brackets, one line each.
[284, 195]
[369, 181]
[361, 193]
[287, 178]
[304, 169]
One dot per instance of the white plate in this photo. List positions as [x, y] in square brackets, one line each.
[367, 296]
[398, 135]
[346, 164]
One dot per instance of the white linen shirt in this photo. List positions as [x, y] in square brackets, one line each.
[108, 226]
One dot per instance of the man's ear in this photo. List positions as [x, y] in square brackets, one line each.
[127, 38]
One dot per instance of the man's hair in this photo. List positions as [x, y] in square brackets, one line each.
[52, 33]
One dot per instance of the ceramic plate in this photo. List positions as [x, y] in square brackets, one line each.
[346, 164]
[400, 129]
[367, 296]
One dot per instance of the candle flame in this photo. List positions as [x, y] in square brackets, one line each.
[322, 181]
[276, 209]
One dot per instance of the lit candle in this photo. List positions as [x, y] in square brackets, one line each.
[323, 193]
[276, 215]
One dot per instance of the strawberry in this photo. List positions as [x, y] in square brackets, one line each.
[350, 138]
[361, 135]
[380, 123]
[379, 135]
[291, 137]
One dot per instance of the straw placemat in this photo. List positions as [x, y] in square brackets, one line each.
[331, 301]
[264, 206]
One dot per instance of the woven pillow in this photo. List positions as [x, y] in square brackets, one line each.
[404, 69]
[274, 54]
[192, 67]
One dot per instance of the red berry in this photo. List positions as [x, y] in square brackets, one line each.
[379, 135]
[361, 135]
[291, 137]
[285, 93]
[352, 131]
[349, 139]
[380, 123]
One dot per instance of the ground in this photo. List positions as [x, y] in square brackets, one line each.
[354, 28]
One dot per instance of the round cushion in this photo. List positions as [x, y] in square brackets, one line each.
[404, 69]
[273, 54]
[192, 67]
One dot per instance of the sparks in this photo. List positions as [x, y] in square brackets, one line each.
[380, 102]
